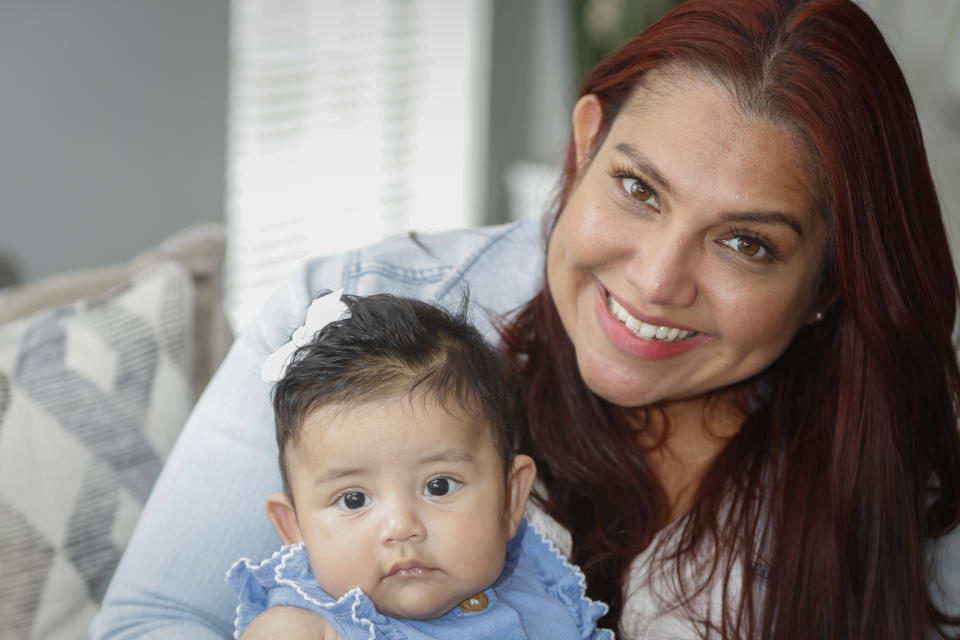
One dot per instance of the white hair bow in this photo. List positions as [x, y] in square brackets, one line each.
[324, 310]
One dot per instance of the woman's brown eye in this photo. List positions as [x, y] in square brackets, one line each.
[748, 246]
[640, 191]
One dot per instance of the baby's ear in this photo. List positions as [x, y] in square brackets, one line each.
[519, 483]
[283, 517]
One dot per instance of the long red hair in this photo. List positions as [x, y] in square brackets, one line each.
[849, 462]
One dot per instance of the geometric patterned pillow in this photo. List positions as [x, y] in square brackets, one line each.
[92, 397]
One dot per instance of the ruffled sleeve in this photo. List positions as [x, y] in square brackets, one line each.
[252, 584]
[562, 580]
[287, 579]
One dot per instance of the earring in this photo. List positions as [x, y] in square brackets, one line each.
[818, 317]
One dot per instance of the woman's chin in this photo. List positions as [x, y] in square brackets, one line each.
[617, 385]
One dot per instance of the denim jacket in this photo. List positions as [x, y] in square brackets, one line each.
[206, 509]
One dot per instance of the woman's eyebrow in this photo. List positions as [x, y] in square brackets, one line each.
[767, 217]
[645, 165]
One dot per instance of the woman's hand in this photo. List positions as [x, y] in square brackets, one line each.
[290, 623]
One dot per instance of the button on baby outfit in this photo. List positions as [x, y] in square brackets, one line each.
[474, 603]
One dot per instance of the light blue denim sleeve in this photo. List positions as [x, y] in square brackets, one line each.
[207, 508]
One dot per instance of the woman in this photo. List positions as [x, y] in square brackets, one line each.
[739, 383]
[783, 131]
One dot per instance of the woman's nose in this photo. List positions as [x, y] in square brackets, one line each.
[663, 268]
[402, 523]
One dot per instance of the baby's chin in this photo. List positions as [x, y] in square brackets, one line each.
[425, 611]
[418, 606]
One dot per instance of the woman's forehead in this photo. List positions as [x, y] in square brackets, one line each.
[697, 144]
[661, 90]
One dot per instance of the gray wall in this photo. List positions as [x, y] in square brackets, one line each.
[532, 93]
[112, 126]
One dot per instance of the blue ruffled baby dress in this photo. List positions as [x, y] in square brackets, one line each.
[537, 595]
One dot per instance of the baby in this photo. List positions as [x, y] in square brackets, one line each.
[402, 503]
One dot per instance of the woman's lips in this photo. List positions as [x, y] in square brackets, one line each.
[634, 340]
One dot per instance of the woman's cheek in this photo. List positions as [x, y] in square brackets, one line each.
[759, 316]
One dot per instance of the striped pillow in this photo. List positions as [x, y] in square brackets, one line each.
[92, 396]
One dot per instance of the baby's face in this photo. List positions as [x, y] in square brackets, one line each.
[403, 499]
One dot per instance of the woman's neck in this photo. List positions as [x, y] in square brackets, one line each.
[683, 438]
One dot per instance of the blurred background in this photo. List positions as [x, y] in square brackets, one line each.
[310, 126]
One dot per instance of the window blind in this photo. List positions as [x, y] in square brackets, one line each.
[349, 121]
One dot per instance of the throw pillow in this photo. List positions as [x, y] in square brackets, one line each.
[200, 249]
[92, 396]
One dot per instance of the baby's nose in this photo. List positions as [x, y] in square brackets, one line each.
[402, 524]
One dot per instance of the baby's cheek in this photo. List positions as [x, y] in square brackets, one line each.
[481, 554]
[336, 573]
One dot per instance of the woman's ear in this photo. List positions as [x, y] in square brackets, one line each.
[283, 517]
[519, 483]
[587, 117]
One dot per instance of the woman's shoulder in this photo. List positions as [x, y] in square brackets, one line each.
[445, 248]
[436, 266]
[500, 267]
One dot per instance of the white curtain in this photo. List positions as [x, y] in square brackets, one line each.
[350, 120]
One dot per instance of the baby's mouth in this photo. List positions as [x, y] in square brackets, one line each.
[408, 569]
[661, 333]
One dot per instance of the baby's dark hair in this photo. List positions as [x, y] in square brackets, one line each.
[390, 345]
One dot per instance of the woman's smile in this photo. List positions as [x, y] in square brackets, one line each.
[647, 338]
[641, 329]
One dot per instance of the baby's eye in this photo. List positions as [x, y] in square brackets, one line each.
[639, 190]
[748, 246]
[353, 500]
[440, 486]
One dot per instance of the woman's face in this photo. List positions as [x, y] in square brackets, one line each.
[686, 258]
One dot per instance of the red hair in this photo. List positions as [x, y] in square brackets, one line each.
[851, 461]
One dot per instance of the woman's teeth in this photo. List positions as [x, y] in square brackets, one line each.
[644, 330]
